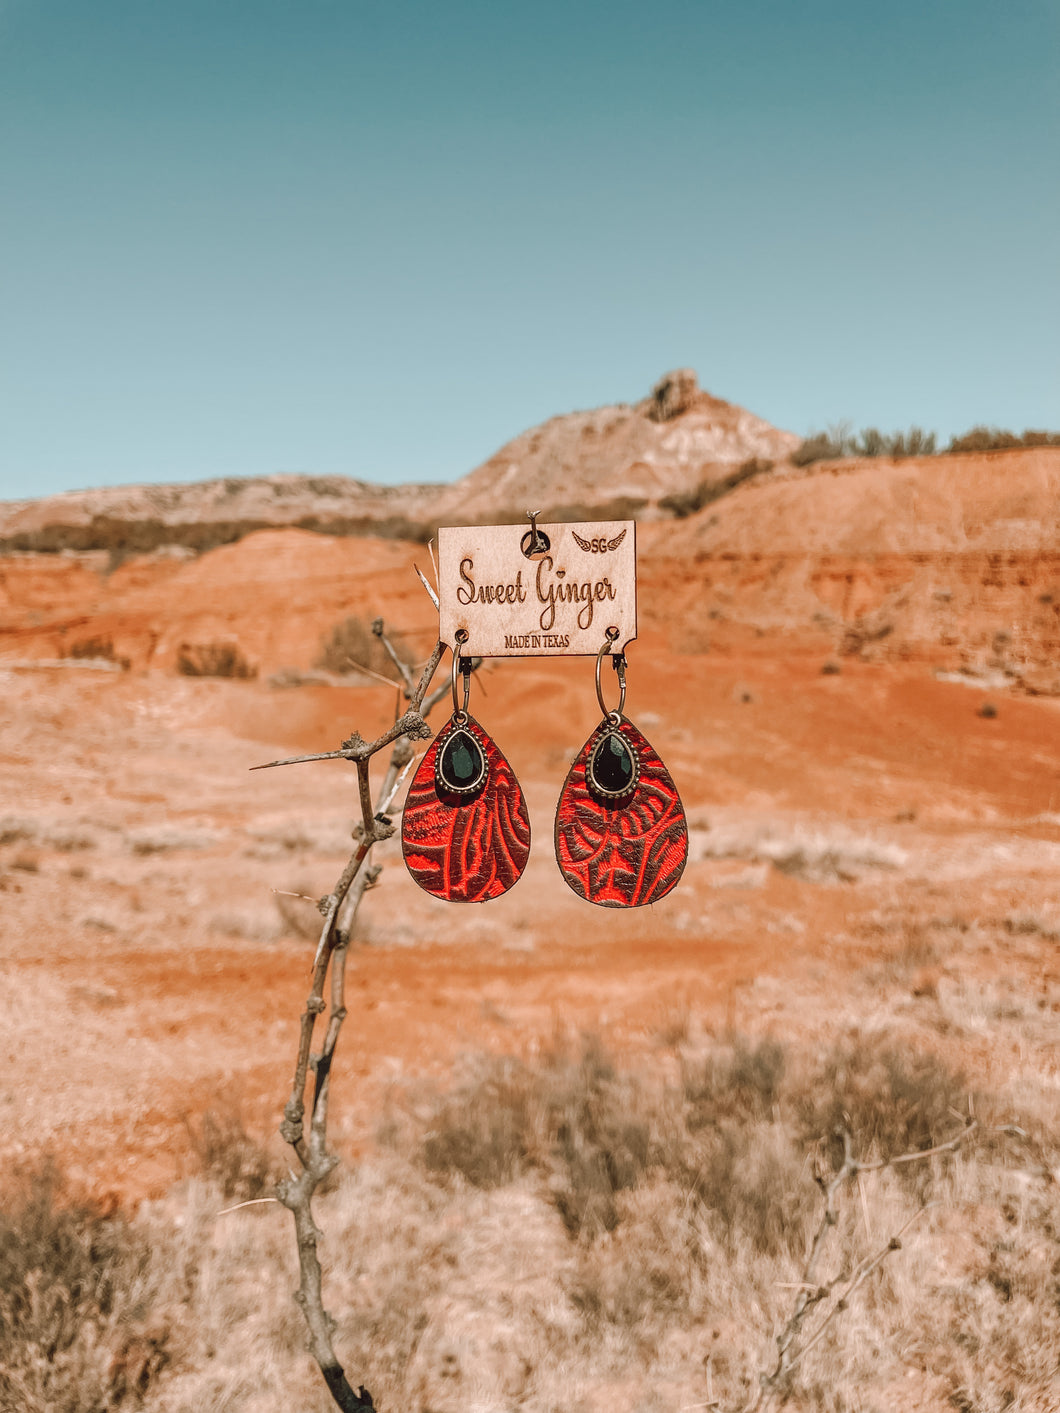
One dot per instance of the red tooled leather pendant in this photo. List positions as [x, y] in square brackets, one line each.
[621, 834]
[465, 833]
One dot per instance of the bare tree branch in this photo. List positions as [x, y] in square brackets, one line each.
[776, 1385]
[859, 1278]
[315, 1161]
[399, 662]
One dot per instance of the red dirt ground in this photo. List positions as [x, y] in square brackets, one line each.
[868, 849]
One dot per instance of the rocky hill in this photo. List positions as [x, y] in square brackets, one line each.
[950, 560]
[624, 460]
[613, 461]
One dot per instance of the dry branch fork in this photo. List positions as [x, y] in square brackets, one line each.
[338, 909]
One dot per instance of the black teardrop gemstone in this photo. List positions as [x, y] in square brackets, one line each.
[461, 766]
[613, 770]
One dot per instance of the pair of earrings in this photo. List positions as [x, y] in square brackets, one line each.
[621, 836]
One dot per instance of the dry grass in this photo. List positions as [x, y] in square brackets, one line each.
[239, 1163]
[352, 644]
[82, 1329]
[566, 1234]
[95, 648]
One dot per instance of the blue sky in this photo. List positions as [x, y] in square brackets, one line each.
[382, 239]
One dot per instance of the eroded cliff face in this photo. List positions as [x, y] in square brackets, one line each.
[954, 560]
[272, 597]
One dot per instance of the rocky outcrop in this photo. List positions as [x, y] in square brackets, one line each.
[673, 394]
[619, 461]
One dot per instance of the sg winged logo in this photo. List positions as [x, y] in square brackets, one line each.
[599, 545]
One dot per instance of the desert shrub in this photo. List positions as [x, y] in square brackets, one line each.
[593, 1132]
[603, 1140]
[735, 1137]
[77, 1333]
[214, 660]
[753, 1182]
[915, 442]
[354, 643]
[872, 442]
[824, 446]
[741, 1083]
[998, 439]
[838, 441]
[684, 503]
[889, 1100]
[224, 1151]
[95, 648]
[486, 1132]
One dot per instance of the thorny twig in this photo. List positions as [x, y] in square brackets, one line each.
[777, 1383]
[296, 1193]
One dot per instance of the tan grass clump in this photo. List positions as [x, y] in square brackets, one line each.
[573, 1234]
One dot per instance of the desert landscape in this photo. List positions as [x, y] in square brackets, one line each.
[584, 1152]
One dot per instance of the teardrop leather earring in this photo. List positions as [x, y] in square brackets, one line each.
[621, 834]
[465, 833]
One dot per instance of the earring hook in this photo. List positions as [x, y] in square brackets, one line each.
[618, 661]
[461, 668]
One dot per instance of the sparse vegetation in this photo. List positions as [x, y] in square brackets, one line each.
[224, 1151]
[595, 1133]
[214, 660]
[685, 503]
[79, 1331]
[95, 648]
[838, 441]
[353, 643]
[607, 1227]
[997, 439]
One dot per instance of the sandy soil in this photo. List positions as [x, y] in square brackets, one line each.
[868, 850]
